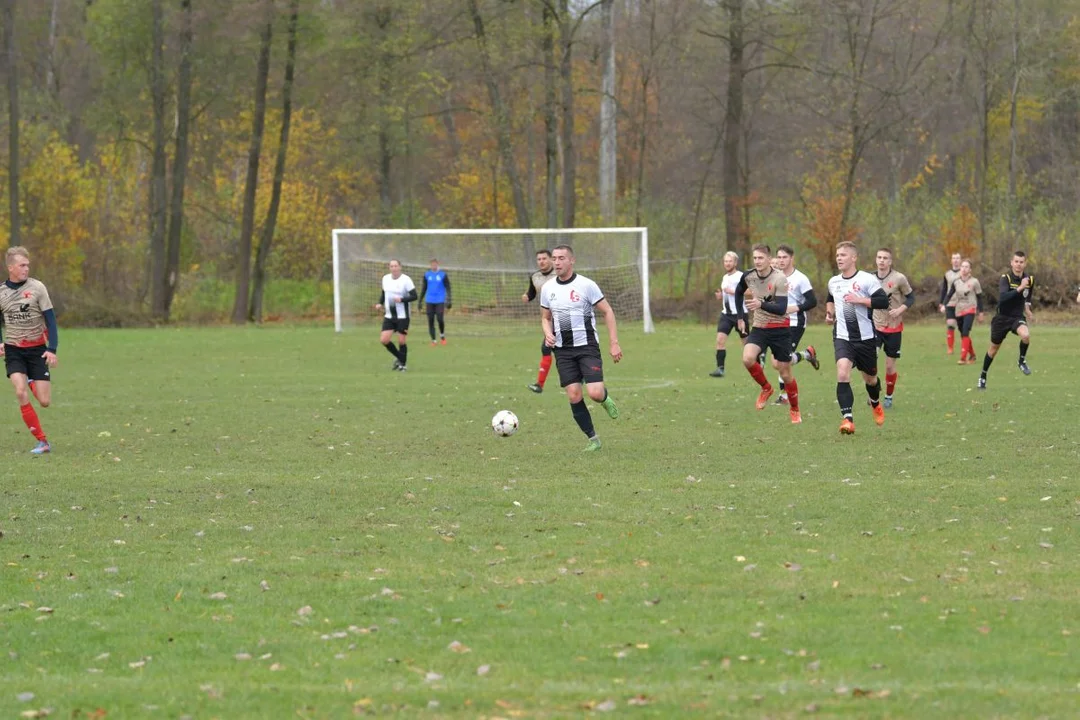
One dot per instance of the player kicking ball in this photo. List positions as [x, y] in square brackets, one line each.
[568, 306]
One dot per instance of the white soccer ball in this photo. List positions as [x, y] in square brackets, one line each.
[505, 423]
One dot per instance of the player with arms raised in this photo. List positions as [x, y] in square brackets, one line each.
[729, 316]
[766, 288]
[889, 323]
[853, 294]
[569, 303]
[29, 348]
[398, 291]
[944, 306]
[545, 271]
[1013, 314]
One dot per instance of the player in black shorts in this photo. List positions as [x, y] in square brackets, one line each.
[1013, 314]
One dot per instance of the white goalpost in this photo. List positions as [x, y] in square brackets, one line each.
[489, 271]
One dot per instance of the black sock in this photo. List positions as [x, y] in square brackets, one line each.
[583, 418]
[431, 327]
[442, 327]
[721, 355]
[403, 349]
[986, 363]
[1023, 351]
[781, 383]
[845, 397]
[393, 350]
[874, 391]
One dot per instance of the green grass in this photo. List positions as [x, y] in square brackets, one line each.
[710, 561]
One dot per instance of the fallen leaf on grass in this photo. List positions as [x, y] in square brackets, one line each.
[638, 700]
[304, 611]
[25, 696]
[606, 706]
[264, 585]
[432, 677]
[458, 647]
[872, 694]
[219, 596]
[483, 670]
[793, 567]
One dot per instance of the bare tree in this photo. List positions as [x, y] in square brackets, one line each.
[608, 140]
[263, 253]
[13, 120]
[158, 168]
[551, 124]
[734, 230]
[180, 161]
[247, 221]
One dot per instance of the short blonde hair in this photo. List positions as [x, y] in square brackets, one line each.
[17, 251]
[732, 254]
[849, 245]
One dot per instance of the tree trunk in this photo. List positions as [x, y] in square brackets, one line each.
[383, 69]
[158, 169]
[1014, 96]
[13, 122]
[502, 122]
[180, 161]
[247, 222]
[608, 140]
[263, 254]
[699, 204]
[733, 227]
[50, 61]
[566, 74]
[551, 130]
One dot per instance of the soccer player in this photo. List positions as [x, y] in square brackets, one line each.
[436, 293]
[770, 328]
[545, 270]
[29, 349]
[889, 323]
[729, 316]
[1013, 314]
[398, 291]
[568, 306]
[853, 293]
[969, 301]
[801, 300]
[950, 310]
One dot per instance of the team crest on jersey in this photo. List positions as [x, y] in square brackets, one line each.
[27, 294]
[574, 297]
[855, 287]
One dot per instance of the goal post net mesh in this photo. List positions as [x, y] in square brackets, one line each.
[488, 272]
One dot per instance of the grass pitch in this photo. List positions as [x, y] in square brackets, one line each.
[270, 523]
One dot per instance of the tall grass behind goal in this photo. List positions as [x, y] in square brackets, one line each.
[489, 271]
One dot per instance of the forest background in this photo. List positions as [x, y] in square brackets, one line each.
[185, 160]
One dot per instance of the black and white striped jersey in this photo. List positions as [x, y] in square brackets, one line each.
[797, 287]
[571, 304]
[728, 283]
[399, 287]
[853, 322]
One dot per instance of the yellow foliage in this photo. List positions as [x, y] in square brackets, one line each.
[959, 234]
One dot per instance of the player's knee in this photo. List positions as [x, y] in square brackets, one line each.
[23, 396]
[596, 392]
[44, 401]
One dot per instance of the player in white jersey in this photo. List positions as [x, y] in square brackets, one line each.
[800, 300]
[729, 316]
[398, 291]
[853, 294]
[569, 304]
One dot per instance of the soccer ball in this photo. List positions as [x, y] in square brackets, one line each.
[505, 423]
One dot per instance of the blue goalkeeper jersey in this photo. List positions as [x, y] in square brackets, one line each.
[436, 286]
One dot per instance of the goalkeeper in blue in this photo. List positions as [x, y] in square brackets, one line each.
[436, 294]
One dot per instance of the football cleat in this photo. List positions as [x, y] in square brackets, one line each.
[847, 427]
[763, 398]
[1024, 368]
[718, 372]
[41, 448]
[443, 341]
[782, 400]
[611, 408]
[536, 388]
[593, 446]
[811, 357]
[879, 415]
[796, 417]
[982, 384]
[396, 365]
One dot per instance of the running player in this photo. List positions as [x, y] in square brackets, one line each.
[889, 322]
[729, 316]
[545, 270]
[950, 310]
[801, 300]
[1013, 314]
[969, 301]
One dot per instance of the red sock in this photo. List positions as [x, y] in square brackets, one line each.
[30, 417]
[545, 368]
[793, 394]
[950, 338]
[759, 375]
[890, 383]
[971, 349]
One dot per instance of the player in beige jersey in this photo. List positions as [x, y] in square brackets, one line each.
[30, 340]
[943, 306]
[764, 291]
[545, 270]
[889, 322]
[967, 296]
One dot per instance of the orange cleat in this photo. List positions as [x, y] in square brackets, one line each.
[443, 342]
[962, 361]
[879, 415]
[796, 417]
[847, 427]
[763, 398]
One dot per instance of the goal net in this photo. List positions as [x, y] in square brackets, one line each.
[489, 271]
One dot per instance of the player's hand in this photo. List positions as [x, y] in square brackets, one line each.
[941, 309]
[378, 306]
[719, 294]
[853, 299]
[1, 350]
[897, 312]
[741, 325]
[829, 319]
[549, 339]
[616, 351]
[449, 306]
[1024, 283]
[979, 317]
[50, 358]
[752, 304]
[397, 298]
[524, 297]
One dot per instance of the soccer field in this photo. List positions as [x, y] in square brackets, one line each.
[268, 522]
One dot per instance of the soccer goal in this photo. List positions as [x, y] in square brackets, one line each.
[489, 271]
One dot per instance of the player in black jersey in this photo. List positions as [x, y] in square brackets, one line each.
[1013, 314]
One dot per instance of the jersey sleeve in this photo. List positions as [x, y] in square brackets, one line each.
[905, 285]
[543, 300]
[44, 302]
[781, 287]
[409, 285]
[593, 293]
[872, 284]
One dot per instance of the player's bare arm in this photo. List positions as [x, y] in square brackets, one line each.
[830, 311]
[613, 334]
[549, 328]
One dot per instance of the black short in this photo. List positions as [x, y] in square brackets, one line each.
[776, 339]
[28, 361]
[579, 364]
[796, 336]
[950, 312]
[965, 323]
[862, 354]
[890, 342]
[400, 326]
[1002, 325]
[727, 323]
[434, 309]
